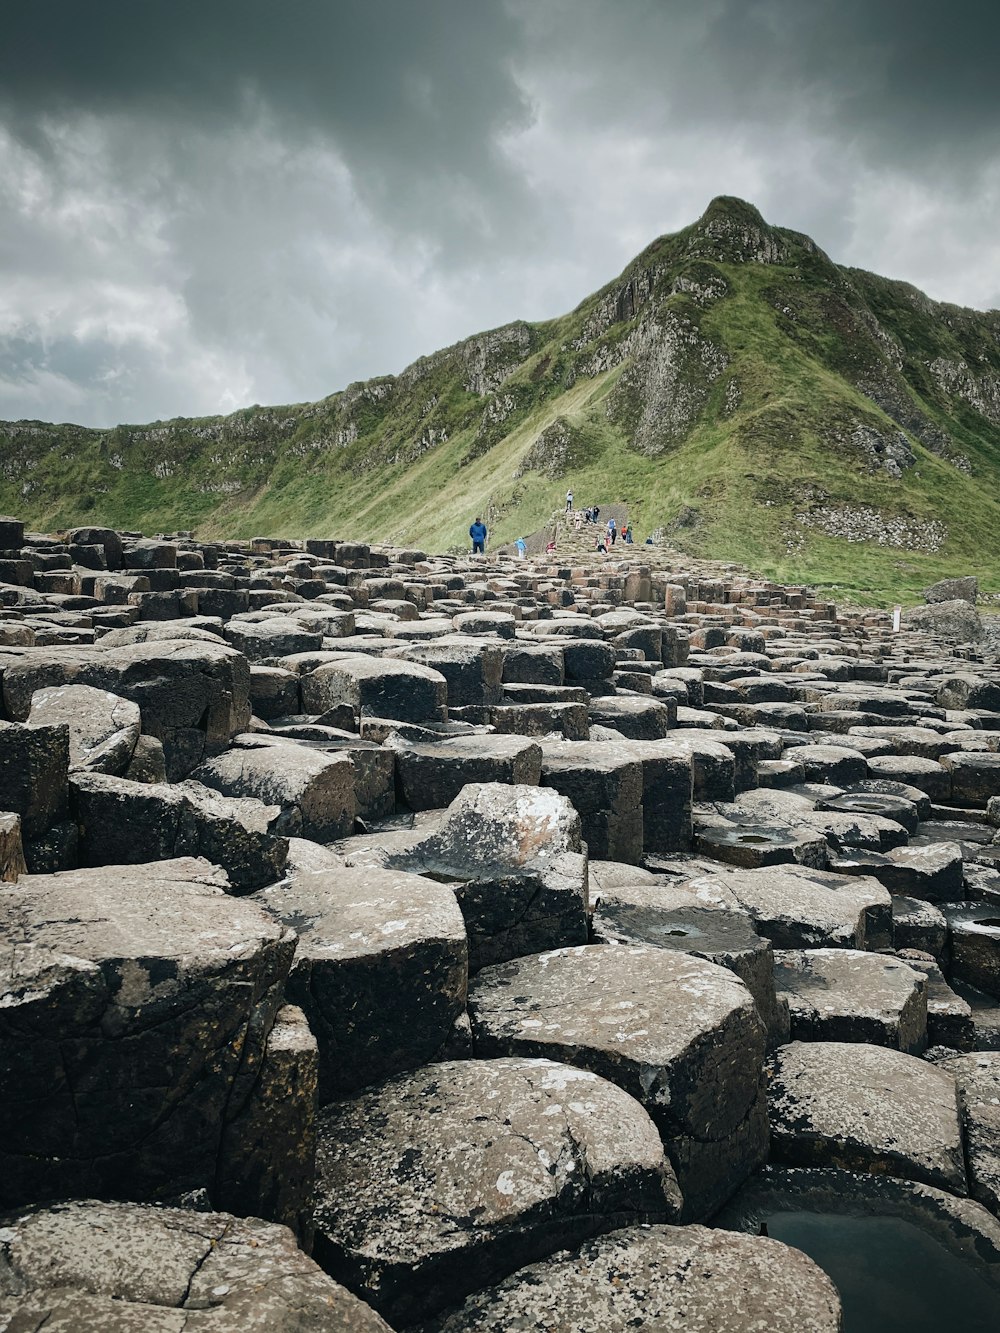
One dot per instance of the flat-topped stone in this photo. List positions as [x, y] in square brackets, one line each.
[865, 1108]
[679, 1033]
[380, 970]
[798, 907]
[663, 1278]
[447, 1179]
[96, 1267]
[848, 995]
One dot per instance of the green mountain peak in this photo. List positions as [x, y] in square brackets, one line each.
[744, 396]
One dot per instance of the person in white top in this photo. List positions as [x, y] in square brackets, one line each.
[569, 501]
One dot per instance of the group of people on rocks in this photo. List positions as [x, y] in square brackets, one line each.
[604, 541]
[608, 538]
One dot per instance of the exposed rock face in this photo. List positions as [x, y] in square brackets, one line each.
[863, 523]
[952, 590]
[381, 969]
[663, 390]
[103, 728]
[669, 818]
[489, 1165]
[513, 857]
[867, 1109]
[121, 1266]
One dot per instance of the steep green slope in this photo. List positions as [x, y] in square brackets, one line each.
[744, 395]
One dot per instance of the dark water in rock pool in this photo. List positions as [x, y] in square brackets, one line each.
[891, 1275]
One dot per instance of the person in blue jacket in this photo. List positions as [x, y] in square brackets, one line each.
[478, 534]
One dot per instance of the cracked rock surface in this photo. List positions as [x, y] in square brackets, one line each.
[90, 1267]
[442, 1181]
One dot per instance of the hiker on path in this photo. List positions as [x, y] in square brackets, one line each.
[569, 501]
[596, 512]
[521, 547]
[478, 534]
[627, 534]
[578, 520]
[612, 530]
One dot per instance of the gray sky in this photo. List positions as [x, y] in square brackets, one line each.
[210, 203]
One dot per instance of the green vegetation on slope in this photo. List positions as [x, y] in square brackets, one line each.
[738, 390]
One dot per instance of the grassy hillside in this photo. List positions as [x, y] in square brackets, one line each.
[746, 397]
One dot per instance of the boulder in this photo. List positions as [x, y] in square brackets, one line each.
[268, 1159]
[103, 728]
[34, 776]
[376, 687]
[678, 1033]
[952, 590]
[126, 1268]
[646, 913]
[513, 856]
[797, 907]
[955, 621]
[977, 1078]
[975, 944]
[471, 668]
[129, 823]
[432, 776]
[267, 640]
[635, 717]
[193, 695]
[605, 788]
[846, 995]
[447, 1179]
[315, 790]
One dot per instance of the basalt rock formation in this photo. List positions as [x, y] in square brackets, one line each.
[495, 932]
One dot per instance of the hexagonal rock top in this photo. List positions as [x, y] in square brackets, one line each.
[680, 1034]
[131, 1268]
[797, 907]
[445, 1180]
[664, 1278]
[865, 1108]
[134, 1011]
[853, 996]
[648, 914]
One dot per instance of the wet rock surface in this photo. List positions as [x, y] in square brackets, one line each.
[324, 847]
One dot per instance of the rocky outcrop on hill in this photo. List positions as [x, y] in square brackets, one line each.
[483, 927]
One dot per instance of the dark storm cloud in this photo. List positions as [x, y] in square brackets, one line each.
[205, 204]
[413, 92]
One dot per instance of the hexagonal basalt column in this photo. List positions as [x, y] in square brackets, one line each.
[680, 1034]
[445, 1180]
[665, 1278]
